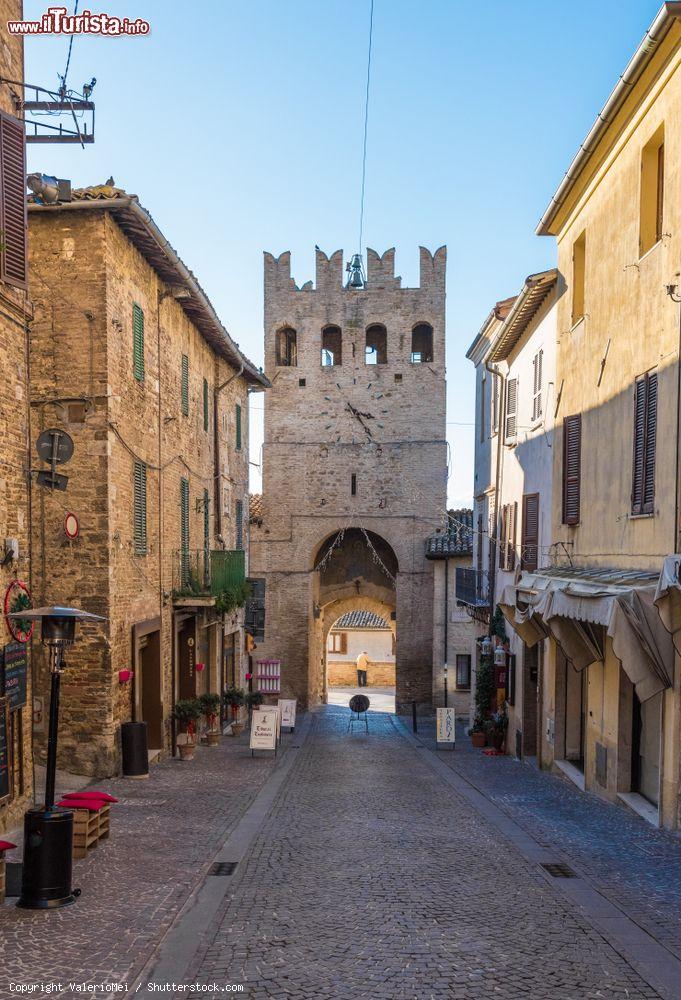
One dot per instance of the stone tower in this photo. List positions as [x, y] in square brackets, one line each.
[355, 463]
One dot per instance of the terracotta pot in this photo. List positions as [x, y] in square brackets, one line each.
[237, 728]
[478, 739]
[212, 738]
[187, 751]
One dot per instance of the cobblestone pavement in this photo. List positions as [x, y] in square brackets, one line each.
[371, 878]
[630, 862]
[164, 833]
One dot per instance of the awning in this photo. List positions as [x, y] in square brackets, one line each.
[668, 598]
[576, 607]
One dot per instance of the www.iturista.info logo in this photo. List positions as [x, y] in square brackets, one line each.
[57, 21]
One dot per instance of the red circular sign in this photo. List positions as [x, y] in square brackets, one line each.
[71, 526]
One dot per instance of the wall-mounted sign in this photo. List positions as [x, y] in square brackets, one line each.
[5, 773]
[18, 598]
[445, 728]
[71, 526]
[287, 708]
[15, 674]
[264, 729]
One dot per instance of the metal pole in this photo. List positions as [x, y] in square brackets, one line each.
[413, 717]
[446, 698]
[50, 776]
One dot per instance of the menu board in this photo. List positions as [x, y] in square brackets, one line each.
[264, 729]
[16, 673]
[5, 773]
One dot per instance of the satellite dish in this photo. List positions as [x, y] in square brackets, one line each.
[54, 445]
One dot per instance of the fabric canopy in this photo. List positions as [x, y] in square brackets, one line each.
[668, 598]
[577, 610]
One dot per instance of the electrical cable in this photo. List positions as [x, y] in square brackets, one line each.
[366, 127]
[68, 58]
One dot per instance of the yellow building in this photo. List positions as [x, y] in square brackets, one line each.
[610, 696]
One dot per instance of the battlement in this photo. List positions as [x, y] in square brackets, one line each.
[330, 271]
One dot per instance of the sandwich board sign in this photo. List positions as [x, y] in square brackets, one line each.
[445, 729]
[264, 727]
[287, 708]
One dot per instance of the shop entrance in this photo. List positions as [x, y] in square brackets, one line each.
[575, 715]
[147, 679]
[645, 747]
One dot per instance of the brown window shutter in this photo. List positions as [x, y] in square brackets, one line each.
[512, 528]
[503, 537]
[659, 208]
[343, 642]
[645, 433]
[13, 201]
[530, 531]
[572, 460]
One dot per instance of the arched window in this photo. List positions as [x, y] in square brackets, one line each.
[422, 343]
[332, 346]
[376, 345]
[287, 347]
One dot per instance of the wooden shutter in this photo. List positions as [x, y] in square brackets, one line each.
[206, 520]
[572, 460]
[138, 342]
[645, 432]
[537, 365]
[343, 642]
[184, 514]
[238, 427]
[239, 524]
[184, 390]
[140, 508]
[659, 208]
[13, 268]
[530, 531]
[511, 522]
[511, 407]
[503, 537]
[205, 404]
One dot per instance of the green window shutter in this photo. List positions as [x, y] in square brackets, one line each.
[205, 404]
[238, 427]
[206, 520]
[185, 385]
[140, 508]
[184, 514]
[138, 342]
[239, 524]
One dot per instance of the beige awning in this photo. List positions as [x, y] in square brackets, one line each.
[668, 598]
[571, 608]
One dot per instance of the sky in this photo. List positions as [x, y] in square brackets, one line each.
[239, 126]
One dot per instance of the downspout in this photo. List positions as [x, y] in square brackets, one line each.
[216, 454]
[676, 543]
[446, 628]
[495, 373]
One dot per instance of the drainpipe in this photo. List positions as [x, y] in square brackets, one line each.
[216, 453]
[446, 630]
[495, 373]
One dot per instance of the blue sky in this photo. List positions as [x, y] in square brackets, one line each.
[239, 126]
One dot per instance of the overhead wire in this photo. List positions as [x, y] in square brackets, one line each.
[68, 58]
[366, 129]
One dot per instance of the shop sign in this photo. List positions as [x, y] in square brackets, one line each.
[446, 726]
[15, 674]
[5, 775]
[264, 729]
[287, 707]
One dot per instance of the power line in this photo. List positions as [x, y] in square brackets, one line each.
[68, 59]
[366, 126]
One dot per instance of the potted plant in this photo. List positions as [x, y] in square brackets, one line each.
[254, 699]
[235, 698]
[477, 733]
[484, 695]
[186, 713]
[210, 706]
[496, 728]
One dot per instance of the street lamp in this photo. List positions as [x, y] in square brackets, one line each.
[48, 831]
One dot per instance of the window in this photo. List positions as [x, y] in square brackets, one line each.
[206, 520]
[338, 642]
[12, 201]
[287, 349]
[537, 366]
[376, 345]
[255, 610]
[483, 406]
[184, 515]
[205, 405]
[239, 519]
[353, 485]
[422, 343]
[572, 461]
[645, 427]
[237, 436]
[578, 278]
[509, 518]
[140, 508]
[529, 552]
[332, 346]
[511, 408]
[463, 671]
[138, 342]
[652, 192]
[184, 387]
[510, 678]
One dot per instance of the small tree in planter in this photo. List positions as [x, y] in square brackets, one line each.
[496, 728]
[254, 699]
[484, 693]
[186, 713]
[235, 698]
[210, 706]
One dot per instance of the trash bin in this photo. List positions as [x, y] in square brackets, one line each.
[134, 750]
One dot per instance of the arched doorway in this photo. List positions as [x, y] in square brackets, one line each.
[355, 574]
[367, 637]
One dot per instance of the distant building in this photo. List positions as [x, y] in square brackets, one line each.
[354, 633]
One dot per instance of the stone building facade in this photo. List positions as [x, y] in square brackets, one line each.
[16, 785]
[361, 632]
[130, 359]
[355, 461]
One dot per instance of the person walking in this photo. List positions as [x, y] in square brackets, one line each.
[362, 665]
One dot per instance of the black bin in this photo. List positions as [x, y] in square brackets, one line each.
[134, 750]
[46, 873]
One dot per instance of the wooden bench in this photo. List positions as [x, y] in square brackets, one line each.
[91, 819]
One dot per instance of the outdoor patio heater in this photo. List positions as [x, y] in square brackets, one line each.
[48, 830]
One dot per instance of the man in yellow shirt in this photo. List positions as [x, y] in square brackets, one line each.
[362, 665]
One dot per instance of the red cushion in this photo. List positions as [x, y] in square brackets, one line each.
[92, 805]
[102, 796]
[6, 845]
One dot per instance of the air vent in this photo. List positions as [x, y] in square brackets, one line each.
[558, 869]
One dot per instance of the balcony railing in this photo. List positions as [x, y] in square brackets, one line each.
[205, 573]
[472, 587]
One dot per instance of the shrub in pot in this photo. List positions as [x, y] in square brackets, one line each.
[477, 733]
[254, 699]
[210, 706]
[235, 698]
[186, 713]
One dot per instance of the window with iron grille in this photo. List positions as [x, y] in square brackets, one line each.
[184, 514]
[572, 468]
[463, 671]
[138, 342]
[205, 404]
[13, 268]
[511, 408]
[184, 388]
[239, 518]
[140, 508]
[645, 433]
[255, 609]
[537, 365]
[238, 427]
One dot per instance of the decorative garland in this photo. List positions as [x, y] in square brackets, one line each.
[18, 598]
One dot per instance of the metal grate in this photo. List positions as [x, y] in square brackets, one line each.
[558, 869]
[223, 868]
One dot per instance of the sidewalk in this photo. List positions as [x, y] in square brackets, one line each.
[632, 864]
[165, 832]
